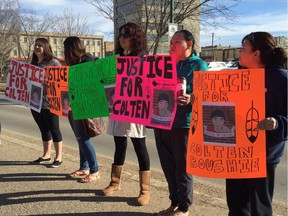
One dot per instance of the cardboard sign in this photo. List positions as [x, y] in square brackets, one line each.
[56, 78]
[223, 142]
[145, 90]
[86, 85]
[24, 85]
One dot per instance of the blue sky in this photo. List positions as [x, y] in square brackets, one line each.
[253, 15]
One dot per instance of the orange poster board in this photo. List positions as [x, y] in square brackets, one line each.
[56, 78]
[223, 142]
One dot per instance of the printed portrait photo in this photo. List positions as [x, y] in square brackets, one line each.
[35, 97]
[219, 124]
[163, 104]
[65, 103]
[109, 90]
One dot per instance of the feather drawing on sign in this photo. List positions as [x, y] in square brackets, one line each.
[194, 120]
[252, 120]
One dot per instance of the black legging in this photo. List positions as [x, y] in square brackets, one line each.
[48, 124]
[139, 147]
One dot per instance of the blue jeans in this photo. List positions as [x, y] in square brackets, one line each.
[88, 160]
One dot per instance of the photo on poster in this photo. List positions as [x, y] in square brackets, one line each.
[109, 91]
[219, 123]
[35, 97]
[65, 103]
[163, 105]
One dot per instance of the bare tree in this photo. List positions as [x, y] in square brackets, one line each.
[32, 26]
[157, 14]
[8, 29]
[69, 23]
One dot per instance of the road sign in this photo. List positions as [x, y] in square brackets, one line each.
[172, 28]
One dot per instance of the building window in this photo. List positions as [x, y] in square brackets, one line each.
[93, 43]
[88, 42]
[25, 40]
[15, 52]
[98, 43]
[55, 40]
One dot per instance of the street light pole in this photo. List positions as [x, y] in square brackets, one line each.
[212, 58]
[171, 11]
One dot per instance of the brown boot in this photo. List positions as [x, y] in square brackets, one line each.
[144, 196]
[114, 185]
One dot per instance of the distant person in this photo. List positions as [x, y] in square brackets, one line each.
[47, 122]
[88, 170]
[172, 144]
[253, 196]
[131, 41]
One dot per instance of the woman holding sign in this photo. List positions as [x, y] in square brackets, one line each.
[47, 122]
[172, 144]
[131, 42]
[254, 196]
[75, 53]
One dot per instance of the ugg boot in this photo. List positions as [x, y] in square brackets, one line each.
[114, 185]
[144, 196]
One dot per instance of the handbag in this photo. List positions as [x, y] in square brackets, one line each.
[94, 126]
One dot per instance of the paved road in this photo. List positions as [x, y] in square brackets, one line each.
[18, 118]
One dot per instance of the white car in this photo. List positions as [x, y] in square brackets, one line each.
[216, 66]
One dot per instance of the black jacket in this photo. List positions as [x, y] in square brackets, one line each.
[276, 107]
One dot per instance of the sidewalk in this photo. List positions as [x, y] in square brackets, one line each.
[28, 189]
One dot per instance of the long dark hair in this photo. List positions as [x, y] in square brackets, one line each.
[73, 50]
[138, 39]
[270, 54]
[48, 53]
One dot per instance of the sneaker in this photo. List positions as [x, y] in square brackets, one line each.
[41, 160]
[55, 164]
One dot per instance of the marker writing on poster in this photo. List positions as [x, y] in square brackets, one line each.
[24, 71]
[132, 70]
[19, 74]
[216, 87]
[210, 158]
[56, 74]
[159, 66]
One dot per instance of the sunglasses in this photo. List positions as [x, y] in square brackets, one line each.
[125, 35]
[251, 36]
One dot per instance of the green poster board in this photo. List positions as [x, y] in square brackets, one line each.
[86, 83]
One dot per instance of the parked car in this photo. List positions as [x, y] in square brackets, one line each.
[216, 66]
[230, 63]
[235, 65]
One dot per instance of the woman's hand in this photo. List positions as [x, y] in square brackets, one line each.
[269, 123]
[184, 100]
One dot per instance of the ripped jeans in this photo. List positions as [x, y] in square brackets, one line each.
[88, 160]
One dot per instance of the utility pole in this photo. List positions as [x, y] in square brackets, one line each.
[172, 27]
[212, 56]
[171, 11]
